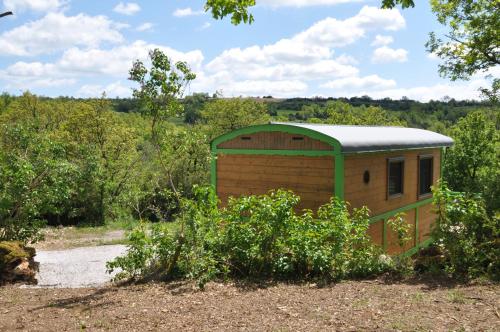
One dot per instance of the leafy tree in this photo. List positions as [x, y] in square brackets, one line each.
[159, 91]
[472, 44]
[338, 112]
[472, 164]
[225, 115]
[467, 235]
[160, 87]
[5, 100]
[33, 180]
[192, 107]
[105, 150]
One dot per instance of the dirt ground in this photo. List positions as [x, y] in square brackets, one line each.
[375, 305]
[58, 238]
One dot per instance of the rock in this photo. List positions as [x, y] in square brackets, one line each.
[17, 262]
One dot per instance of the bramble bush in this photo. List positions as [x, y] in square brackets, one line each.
[469, 237]
[254, 236]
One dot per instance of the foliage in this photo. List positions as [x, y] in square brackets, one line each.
[160, 87]
[256, 236]
[471, 45]
[225, 115]
[472, 165]
[393, 3]
[338, 112]
[468, 236]
[473, 37]
[33, 179]
[192, 107]
[237, 9]
[402, 228]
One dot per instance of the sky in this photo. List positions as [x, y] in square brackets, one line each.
[295, 48]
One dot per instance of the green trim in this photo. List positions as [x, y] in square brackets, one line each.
[308, 153]
[389, 214]
[415, 249]
[339, 176]
[384, 234]
[416, 226]
[441, 164]
[213, 171]
[277, 127]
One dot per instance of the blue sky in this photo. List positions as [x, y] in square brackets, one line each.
[295, 48]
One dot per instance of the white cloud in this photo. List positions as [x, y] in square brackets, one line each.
[145, 27]
[183, 12]
[345, 59]
[332, 32]
[23, 76]
[56, 32]
[382, 40]
[372, 82]
[205, 26]
[129, 8]
[223, 82]
[34, 5]
[386, 54]
[306, 56]
[77, 63]
[459, 91]
[303, 3]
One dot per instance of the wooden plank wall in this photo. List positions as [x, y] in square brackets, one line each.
[312, 178]
[426, 218]
[374, 194]
[274, 140]
[376, 232]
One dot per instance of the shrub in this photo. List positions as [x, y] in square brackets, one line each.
[255, 236]
[469, 238]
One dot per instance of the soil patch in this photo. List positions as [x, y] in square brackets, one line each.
[374, 305]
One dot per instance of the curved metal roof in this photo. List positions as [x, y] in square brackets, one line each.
[376, 138]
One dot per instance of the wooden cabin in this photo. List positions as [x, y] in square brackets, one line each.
[388, 169]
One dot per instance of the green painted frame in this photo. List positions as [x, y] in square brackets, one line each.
[336, 151]
[383, 217]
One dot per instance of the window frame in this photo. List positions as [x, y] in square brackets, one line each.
[424, 157]
[388, 173]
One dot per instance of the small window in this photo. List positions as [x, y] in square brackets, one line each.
[395, 177]
[297, 138]
[246, 138]
[425, 166]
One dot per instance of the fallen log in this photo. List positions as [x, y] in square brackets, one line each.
[17, 263]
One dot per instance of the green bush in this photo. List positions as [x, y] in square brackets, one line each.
[255, 236]
[469, 238]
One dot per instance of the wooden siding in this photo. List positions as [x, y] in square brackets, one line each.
[376, 232]
[274, 140]
[312, 178]
[426, 218]
[374, 194]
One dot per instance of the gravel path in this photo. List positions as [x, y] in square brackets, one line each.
[76, 268]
